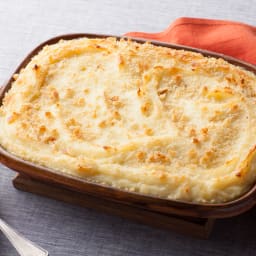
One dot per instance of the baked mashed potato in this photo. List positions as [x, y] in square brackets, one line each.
[148, 119]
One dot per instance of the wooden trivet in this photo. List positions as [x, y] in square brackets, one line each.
[196, 227]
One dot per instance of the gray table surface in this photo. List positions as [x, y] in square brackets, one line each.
[63, 229]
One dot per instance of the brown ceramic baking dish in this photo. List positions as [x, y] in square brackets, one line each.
[165, 206]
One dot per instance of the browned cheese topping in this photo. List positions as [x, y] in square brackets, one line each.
[153, 120]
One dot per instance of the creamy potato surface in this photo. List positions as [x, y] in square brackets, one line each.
[143, 118]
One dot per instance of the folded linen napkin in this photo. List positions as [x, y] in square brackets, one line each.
[228, 37]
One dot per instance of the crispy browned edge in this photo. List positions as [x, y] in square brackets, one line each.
[166, 206]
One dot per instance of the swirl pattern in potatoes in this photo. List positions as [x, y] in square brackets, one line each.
[139, 117]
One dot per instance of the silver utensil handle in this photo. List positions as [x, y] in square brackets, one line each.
[23, 246]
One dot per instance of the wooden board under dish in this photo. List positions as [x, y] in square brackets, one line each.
[196, 227]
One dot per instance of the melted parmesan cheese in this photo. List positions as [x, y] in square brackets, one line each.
[158, 121]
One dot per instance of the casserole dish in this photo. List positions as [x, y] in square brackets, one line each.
[203, 210]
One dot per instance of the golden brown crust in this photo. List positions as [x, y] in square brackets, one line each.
[154, 120]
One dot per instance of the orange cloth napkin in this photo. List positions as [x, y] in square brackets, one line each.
[230, 38]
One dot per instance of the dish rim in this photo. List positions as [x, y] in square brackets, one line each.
[153, 203]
